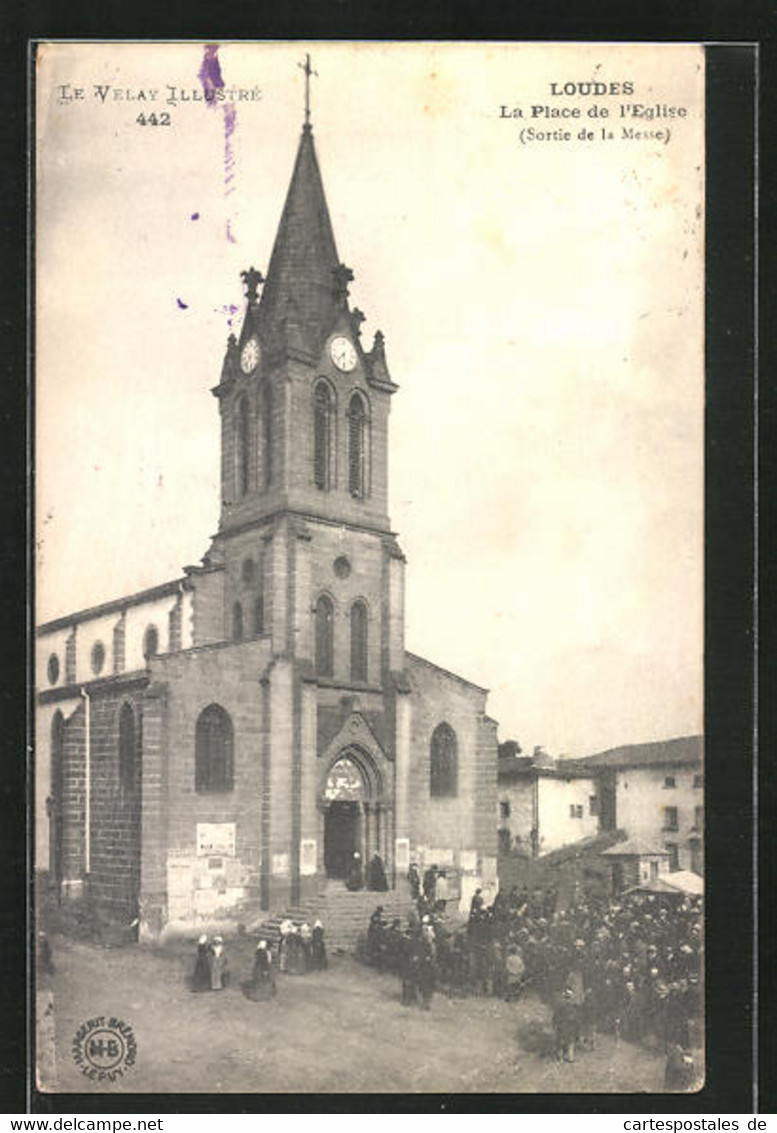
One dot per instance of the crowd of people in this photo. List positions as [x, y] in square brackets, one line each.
[630, 967]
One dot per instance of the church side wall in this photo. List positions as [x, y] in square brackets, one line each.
[114, 878]
[460, 832]
[208, 843]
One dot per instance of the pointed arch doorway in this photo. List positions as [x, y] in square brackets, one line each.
[353, 812]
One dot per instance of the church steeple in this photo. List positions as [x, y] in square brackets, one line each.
[302, 294]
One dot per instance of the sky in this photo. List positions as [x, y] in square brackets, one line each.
[542, 301]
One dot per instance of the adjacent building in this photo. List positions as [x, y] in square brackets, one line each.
[651, 792]
[655, 793]
[544, 804]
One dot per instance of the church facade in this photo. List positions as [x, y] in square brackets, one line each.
[224, 743]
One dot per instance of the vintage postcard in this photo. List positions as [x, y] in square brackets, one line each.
[369, 386]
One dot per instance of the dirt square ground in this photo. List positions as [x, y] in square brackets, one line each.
[343, 1030]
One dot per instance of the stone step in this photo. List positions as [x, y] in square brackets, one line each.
[344, 914]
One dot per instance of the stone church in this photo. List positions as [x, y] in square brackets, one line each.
[223, 743]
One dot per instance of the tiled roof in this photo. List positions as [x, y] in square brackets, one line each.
[684, 749]
[634, 848]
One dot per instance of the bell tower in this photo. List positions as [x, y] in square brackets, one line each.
[304, 408]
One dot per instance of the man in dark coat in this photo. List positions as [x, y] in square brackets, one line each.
[414, 880]
[476, 904]
[427, 972]
[410, 969]
[430, 884]
[566, 1024]
[376, 874]
[375, 932]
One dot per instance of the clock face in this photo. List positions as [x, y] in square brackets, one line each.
[249, 359]
[343, 354]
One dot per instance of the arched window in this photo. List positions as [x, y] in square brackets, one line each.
[127, 750]
[150, 642]
[98, 658]
[213, 751]
[356, 454]
[359, 641]
[243, 446]
[258, 615]
[325, 624]
[322, 416]
[267, 468]
[443, 768]
[55, 799]
[237, 622]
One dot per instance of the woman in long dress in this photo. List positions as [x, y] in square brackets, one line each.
[201, 976]
[318, 948]
[261, 986]
[219, 976]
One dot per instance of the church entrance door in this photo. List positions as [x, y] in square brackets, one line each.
[341, 836]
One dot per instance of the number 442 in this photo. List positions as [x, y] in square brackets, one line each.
[162, 119]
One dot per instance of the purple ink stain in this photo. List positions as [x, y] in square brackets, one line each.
[194, 216]
[183, 306]
[212, 80]
[210, 72]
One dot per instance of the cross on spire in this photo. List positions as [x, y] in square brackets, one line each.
[251, 278]
[307, 68]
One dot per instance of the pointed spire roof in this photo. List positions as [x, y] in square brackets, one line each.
[300, 295]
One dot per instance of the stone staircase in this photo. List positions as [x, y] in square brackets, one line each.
[344, 915]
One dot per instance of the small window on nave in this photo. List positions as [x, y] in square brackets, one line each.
[443, 763]
[237, 622]
[98, 658]
[214, 751]
[150, 642]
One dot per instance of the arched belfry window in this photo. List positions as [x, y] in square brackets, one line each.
[213, 750]
[322, 440]
[243, 431]
[357, 459]
[443, 764]
[237, 622]
[325, 645]
[359, 641]
[267, 433]
[127, 750]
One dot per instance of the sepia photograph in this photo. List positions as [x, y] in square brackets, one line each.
[369, 567]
